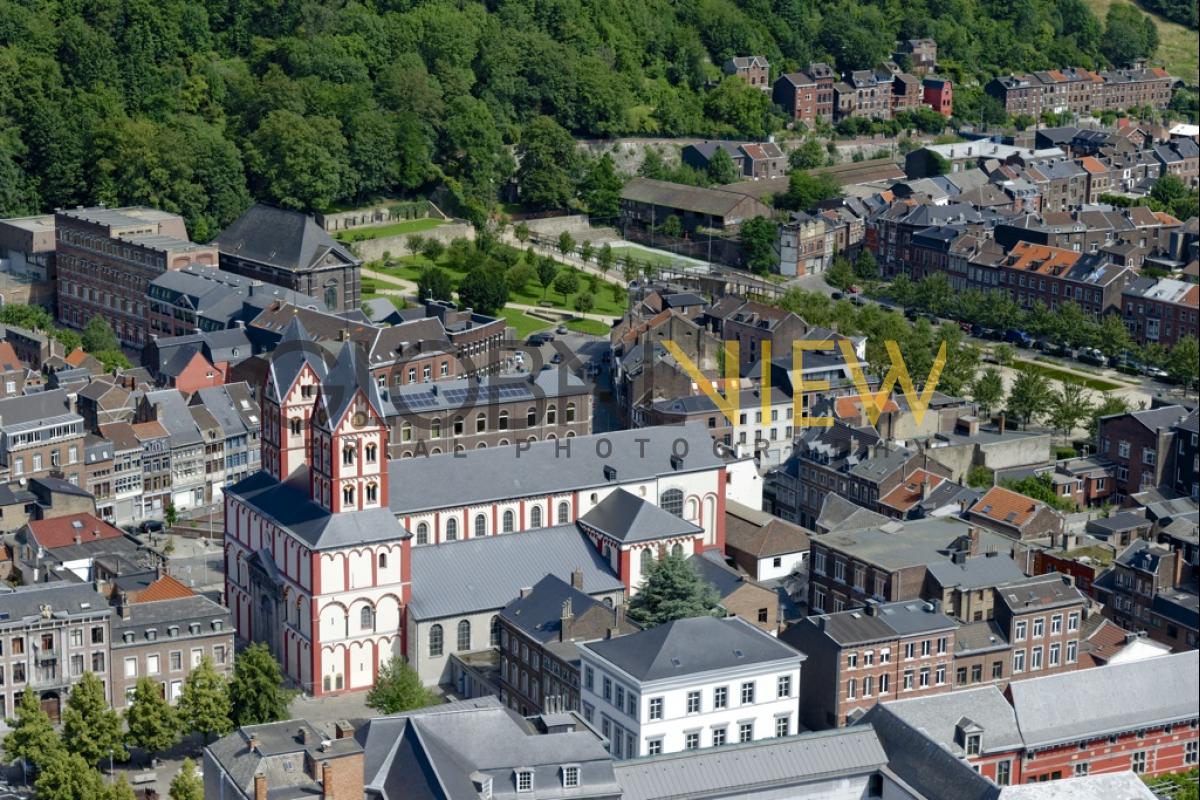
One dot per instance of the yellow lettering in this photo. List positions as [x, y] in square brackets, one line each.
[729, 403]
[800, 386]
[874, 403]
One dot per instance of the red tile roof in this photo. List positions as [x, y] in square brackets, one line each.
[61, 531]
[1007, 506]
[1092, 165]
[8, 358]
[908, 493]
[164, 588]
[851, 406]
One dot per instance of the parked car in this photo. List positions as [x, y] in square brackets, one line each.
[556, 358]
[1090, 355]
[984, 332]
[1151, 371]
[1018, 337]
[836, 296]
[561, 330]
[912, 313]
[152, 526]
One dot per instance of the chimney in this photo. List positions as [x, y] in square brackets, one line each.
[958, 557]
[973, 538]
[925, 483]
[615, 630]
[577, 578]
[853, 445]
[252, 741]
[1177, 574]
[303, 735]
[526, 591]
[260, 787]
[327, 792]
[872, 607]
[78, 538]
[564, 622]
[342, 729]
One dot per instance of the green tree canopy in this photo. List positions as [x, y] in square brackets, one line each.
[91, 728]
[807, 189]
[31, 736]
[398, 688]
[988, 390]
[758, 237]
[186, 785]
[66, 776]
[256, 692]
[483, 289]
[153, 724]
[204, 702]
[1030, 396]
[434, 284]
[548, 164]
[671, 589]
[721, 169]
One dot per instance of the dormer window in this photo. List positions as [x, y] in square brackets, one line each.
[974, 743]
[151, 634]
[128, 636]
[570, 777]
[173, 631]
[524, 780]
[217, 624]
[194, 628]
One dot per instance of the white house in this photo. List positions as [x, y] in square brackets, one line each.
[688, 684]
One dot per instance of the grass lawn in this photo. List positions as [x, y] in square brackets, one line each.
[1178, 47]
[642, 256]
[524, 324]
[589, 326]
[391, 229]
[1099, 384]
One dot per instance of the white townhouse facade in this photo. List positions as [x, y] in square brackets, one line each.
[690, 684]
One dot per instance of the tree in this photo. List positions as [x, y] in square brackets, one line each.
[566, 243]
[256, 691]
[988, 390]
[1070, 407]
[1040, 488]
[519, 277]
[720, 168]
[585, 302]
[433, 248]
[808, 155]
[66, 776]
[153, 723]
[1183, 363]
[586, 251]
[566, 283]
[398, 688]
[434, 284]
[866, 268]
[1030, 396]
[807, 189]
[31, 736]
[170, 515]
[204, 703]
[521, 231]
[186, 785]
[299, 162]
[605, 259]
[981, 477]
[91, 728]
[671, 589]
[548, 163]
[98, 336]
[757, 237]
[1129, 35]
[841, 273]
[600, 189]
[547, 268]
[484, 290]
[739, 108]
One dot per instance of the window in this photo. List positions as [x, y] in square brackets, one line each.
[720, 697]
[783, 726]
[884, 683]
[654, 746]
[422, 533]
[718, 736]
[910, 650]
[656, 708]
[464, 635]
[1055, 654]
[1035, 658]
[852, 688]
[480, 525]
[925, 649]
[131, 667]
[570, 412]
[1019, 630]
[1081, 768]
[366, 618]
[607, 690]
[98, 635]
[1003, 773]
[924, 677]
[1056, 624]
[852, 661]
[535, 517]
[451, 529]
[693, 702]
[1039, 628]
[435, 641]
[1073, 621]
[570, 776]
[176, 661]
[507, 521]
[502, 421]
[908, 680]
[745, 731]
[1191, 752]
[784, 686]
[1018, 661]
[564, 513]
[748, 693]
[940, 674]
[1137, 762]
[691, 740]
[524, 781]
[672, 501]
[973, 742]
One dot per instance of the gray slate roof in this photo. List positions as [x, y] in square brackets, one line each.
[539, 613]
[938, 715]
[290, 506]
[474, 575]
[691, 646]
[792, 761]
[295, 350]
[976, 572]
[929, 769]
[61, 596]
[497, 473]
[629, 518]
[1091, 703]
[159, 615]
[283, 239]
[34, 410]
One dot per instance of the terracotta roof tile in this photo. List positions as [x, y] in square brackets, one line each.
[908, 493]
[76, 357]
[851, 406]
[8, 358]
[1007, 506]
[164, 588]
[1092, 165]
[61, 531]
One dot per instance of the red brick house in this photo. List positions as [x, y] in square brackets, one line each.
[1015, 515]
[1139, 444]
[938, 94]
[754, 70]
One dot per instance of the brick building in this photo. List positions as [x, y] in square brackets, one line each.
[1145, 591]
[1139, 445]
[106, 259]
[1016, 515]
[1162, 310]
[938, 94]
[40, 434]
[754, 70]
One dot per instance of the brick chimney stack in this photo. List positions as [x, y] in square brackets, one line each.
[260, 787]
[577, 578]
[565, 621]
[327, 787]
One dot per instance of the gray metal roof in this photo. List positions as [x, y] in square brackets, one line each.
[281, 238]
[474, 575]
[789, 762]
[1103, 786]
[289, 504]
[1090, 703]
[36, 410]
[904, 544]
[939, 716]
[61, 597]
[550, 467]
[692, 646]
[976, 572]
[464, 394]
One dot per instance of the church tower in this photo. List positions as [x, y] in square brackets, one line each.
[349, 438]
[290, 394]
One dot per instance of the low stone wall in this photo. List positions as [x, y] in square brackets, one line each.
[551, 227]
[373, 249]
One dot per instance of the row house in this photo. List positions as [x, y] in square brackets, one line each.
[233, 452]
[1091, 231]
[1180, 157]
[1163, 310]
[1047, 729]
[1186, 478]
[539, 660]
[807, 96]
[186, 445]
[1016, 515]
[757, 161]
[1139, 446]
[1145, 591]
[40, 435]
[1080, 91]
[106, 259]
[1052, 276]
[1041, 618]
[1062, 183]
[127, 494]
[938, 94]
[749, 324]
